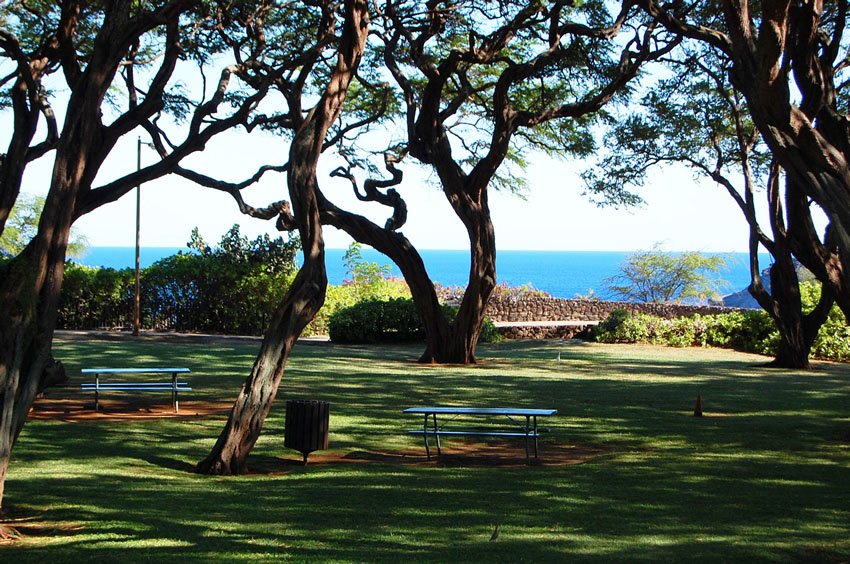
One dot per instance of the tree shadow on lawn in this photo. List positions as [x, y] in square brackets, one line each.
[644, 510]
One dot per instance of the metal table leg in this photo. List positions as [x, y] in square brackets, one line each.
[437, 433]
[174, 392]
[536, 434]
[527, 457]
[425, 436]
[96, 392]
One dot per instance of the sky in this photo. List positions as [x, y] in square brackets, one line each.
[680, 213]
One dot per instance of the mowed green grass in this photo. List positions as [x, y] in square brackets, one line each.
[764, 476]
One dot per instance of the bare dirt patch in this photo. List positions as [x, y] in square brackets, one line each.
[459, 454]
[82, 409]
[17, 526]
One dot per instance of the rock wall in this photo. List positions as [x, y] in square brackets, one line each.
[557, 309]
[540, 332]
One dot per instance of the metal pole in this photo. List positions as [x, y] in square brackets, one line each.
[137, 321]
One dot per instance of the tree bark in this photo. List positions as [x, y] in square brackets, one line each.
[29, 291]
[31, 282]
[307, 293]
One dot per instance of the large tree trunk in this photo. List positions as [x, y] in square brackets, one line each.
[31, 282]
[797, 331]
[26, 332]
[300, 305]
[307, 293]
[445, 343]
[29, 296]
[466, 328]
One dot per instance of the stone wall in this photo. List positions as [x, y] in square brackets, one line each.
[544, 332]
[557, 309]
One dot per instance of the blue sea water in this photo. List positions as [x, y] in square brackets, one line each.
[564, 274]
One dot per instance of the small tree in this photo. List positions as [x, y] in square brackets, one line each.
[22, 226]
[658, 277]
[364, 275]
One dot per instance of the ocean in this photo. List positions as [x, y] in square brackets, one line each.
[563, 274]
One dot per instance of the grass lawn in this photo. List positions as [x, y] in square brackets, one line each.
[764, 476]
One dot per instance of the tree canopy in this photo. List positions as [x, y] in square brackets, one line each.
[655, 276]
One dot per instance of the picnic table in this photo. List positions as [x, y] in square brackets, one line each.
[98, 386]
[523, 424]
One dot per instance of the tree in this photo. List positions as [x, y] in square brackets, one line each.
[790, 62]
[658, 277]
[97, 53]
[478, 86]
[697, 118]
[306, 294]
[361, 272]
[22, 225]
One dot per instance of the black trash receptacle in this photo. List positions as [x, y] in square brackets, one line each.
[307, 425]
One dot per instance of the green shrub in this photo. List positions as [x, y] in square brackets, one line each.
[387, 321]
[346, 295]
[377, 321]
[232, 288]
[750, 331]
[833, 340]
[612, 329]
[96, 297]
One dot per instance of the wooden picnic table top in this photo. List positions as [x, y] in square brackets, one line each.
[518, 411]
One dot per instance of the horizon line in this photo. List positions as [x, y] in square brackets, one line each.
[367, 247]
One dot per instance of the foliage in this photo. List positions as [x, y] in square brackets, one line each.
[185, 291]
[833, 340]
[659, 277]
[22, 226]
[231, 288]
[96, 297]
[747, 331]
[365, 277]
[377, 321]
[388, 321]
[346, 295]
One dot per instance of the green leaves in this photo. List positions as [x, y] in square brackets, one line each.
[660, 277]
[22, 226]
[692, 116]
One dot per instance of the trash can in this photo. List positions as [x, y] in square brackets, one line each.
[307, 425]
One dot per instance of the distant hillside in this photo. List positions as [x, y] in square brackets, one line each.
[743, 299]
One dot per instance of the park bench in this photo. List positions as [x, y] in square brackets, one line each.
[174, 386]
[523, 424]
